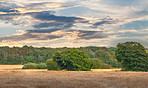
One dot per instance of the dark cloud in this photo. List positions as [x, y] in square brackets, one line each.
[54, 25]
[106, 20]
[44, 25]
[90, 34]
[101, 23]
[8, 7]
[18, 37]
[40, 35]
[46, 16]
[7, 10]
[60, 22]
[43, 30]
[10, 15]
[30, 35]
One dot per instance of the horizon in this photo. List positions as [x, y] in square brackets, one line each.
[73, 23]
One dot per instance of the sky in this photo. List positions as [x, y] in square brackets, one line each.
[73, 23]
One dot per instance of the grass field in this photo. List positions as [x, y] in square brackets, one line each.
[10, 67]
[72, 79]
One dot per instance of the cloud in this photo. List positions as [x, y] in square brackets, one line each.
[43, 30]
[118, 8]
[37, 15]
[45, 4]
[92, 35]
[42, 11]
[107, 21]
[58, 38]
[74, 23]
[42, 6]
[30, 34]
[53, 25]
[46, 16]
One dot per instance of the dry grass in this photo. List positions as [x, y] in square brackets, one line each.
[8, 67]
[98, 70]
[72, 79]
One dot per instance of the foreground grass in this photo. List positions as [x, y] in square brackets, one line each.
[72, 79]
[100, 78]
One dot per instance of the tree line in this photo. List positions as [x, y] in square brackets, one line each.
[25, 54]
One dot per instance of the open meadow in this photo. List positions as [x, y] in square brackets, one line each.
[17, 78]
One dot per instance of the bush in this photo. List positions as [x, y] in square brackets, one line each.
[51, 65]
[106, 66]
[41, 66]
[30, 66]
[72, 59]
[35, 66]
[96, 63]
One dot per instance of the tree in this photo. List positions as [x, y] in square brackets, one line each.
[51, 65]
[100, 53]
[96, 63]
[132, 56]
[30, 59]
[72, 59]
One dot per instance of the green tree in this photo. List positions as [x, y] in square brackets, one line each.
[100, 53]
[96, 63]
[51, 65]
[132, 56]
[30, 59]
[72, 59]
[22, 59]
[5, 58]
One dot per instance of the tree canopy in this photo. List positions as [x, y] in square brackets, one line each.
[132, 56]
[72, 59]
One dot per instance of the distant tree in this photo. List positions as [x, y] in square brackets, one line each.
[100, 53]
[72, 59]
[5, 58]
[22, 59]
[132, 56]
[30, 59]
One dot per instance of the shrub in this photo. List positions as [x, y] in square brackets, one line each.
[29, 66]
[51, 65]
[41, 66]
[106, 66]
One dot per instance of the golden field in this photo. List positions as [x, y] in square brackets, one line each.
[72, 79]
[9, 67]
